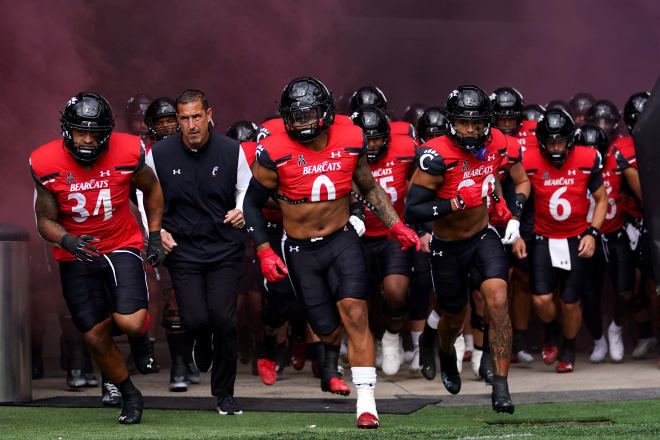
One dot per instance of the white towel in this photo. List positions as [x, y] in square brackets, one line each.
[559, 253]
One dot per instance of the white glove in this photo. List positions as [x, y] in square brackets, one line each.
[512, 232]
[358, 225]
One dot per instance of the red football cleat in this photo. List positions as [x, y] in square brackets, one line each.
[467, 356]
[298, 352]
[266, 370]
[367, 421]
[337, 386]
[565, 367]
[549, 353]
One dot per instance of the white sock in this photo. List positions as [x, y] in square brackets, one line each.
[469, 341]
[364, 379]
[415, 338]
[433, 319]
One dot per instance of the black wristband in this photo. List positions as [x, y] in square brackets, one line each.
[592, 231]
[68, 243]
[154, 236]
[518, 204]
[460, 203]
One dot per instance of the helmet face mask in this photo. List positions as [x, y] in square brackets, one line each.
[307, 109]
[87, 112]
[555, 127]
[158, 118]
[373, 122]
[508, 105]
[469, 114]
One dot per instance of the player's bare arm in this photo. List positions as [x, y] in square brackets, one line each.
[632, 178]
[588, 242]
[522, 185]
[47, 211]
[145, 180]
[374, 194]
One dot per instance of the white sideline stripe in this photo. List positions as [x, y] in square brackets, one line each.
[527, 434]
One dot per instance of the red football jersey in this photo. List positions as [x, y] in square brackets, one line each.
[612, 180]
[513, 155]
[403, 128]
[461, 168]
[309, 176]
[560, 205]
[93, 202]
[391, 172]
[625, 155]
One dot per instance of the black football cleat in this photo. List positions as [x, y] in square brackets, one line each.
[427, 352]
[500, 396]
[449, 374]
[111, 396]
[486, 368]
[178, 371]
[132, 406]
[142, 350]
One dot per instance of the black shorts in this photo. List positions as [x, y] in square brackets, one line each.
[463, 265]
[544, 277]
[326, 270]
[620, 260]
[115, 283]
[385, 257]
[279, 299]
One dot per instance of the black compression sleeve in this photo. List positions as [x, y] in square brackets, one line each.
[255, 199]
[595, 182]
[423, 206]
[518, 204]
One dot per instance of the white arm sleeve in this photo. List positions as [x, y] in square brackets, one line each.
[243, 176]
[150, 162]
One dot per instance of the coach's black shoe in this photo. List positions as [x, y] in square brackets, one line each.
[227, 406]
[500, 396]
[203, 351]
[110, 394]
[142, 350]
[75, 378]
[427, 352]
[486, 368]
[178, 373]
[132, 406]
[449, 374]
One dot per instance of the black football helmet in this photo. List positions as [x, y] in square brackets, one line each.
[159, 108]
[532, 112]
[413, 112]
[558, 103]
[368, 95]
[591, 135]
[87, 111]
[633, 108]
[373, 122]
[243, 131]
[306, 100]
[469, 103]
[507, 103]
[579, 104]
[432, 124]
[606, 115]
[136, 108]
[555, 125]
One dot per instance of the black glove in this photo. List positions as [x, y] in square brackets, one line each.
[155, 251]
[80, 248]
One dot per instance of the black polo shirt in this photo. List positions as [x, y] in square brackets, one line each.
[200, 187]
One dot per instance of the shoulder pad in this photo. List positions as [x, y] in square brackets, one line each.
[262, 133]
[264, 159]
[598, 163]
[430, 161]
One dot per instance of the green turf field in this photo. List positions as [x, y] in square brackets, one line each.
[632, 419]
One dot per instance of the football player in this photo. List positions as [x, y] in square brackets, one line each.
[82, 208]
[310, 170]
[579, 105]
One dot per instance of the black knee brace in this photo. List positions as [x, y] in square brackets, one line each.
[396, 314]
[172, 320]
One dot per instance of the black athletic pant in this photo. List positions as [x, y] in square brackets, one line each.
[207, 300]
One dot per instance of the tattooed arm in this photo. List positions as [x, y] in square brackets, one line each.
[47, 211]
[374, 194]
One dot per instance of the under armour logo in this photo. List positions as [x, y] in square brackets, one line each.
[176, 171]
[435, 211]
[490, 157]
[271, 225]
[250, 229]
[294, 248]
[437, 253]
[335, 154]
[105, 173]
[389, 164]
[214, 173]
[301, 160]
[69, 178]
[571, 172]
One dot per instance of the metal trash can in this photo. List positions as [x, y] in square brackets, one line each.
[15, 344]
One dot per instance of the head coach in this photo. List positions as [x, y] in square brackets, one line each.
[204, 176]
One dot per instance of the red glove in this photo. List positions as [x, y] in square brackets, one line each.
[406, 236]
[468, 197]
[502, 213]
[270, 263]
